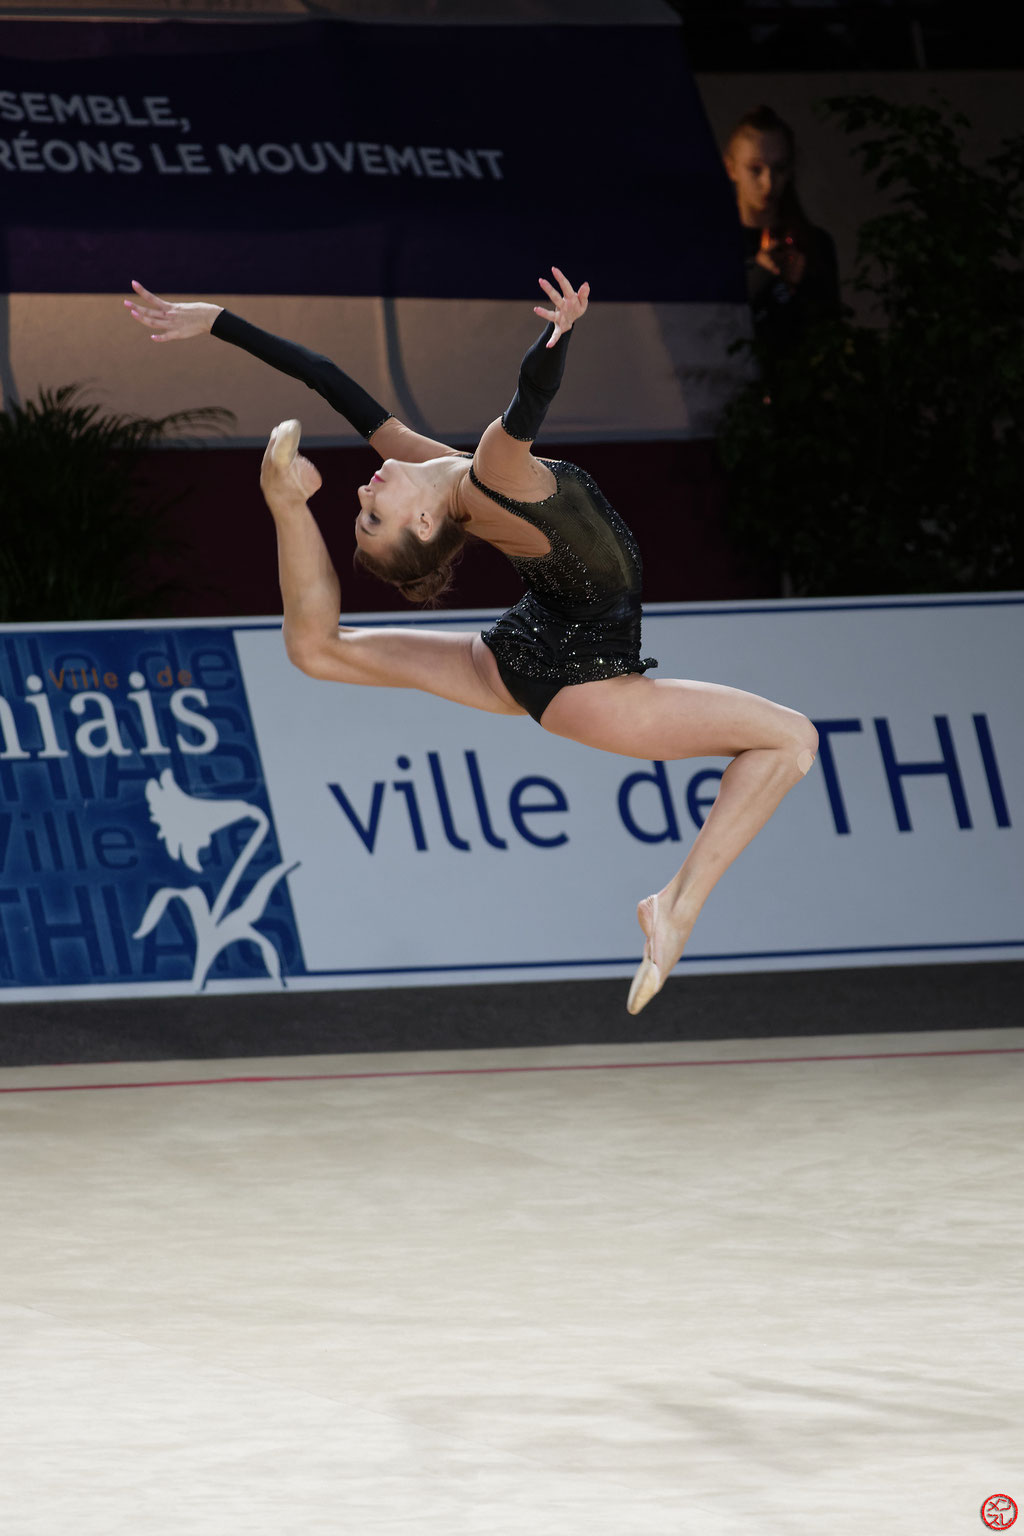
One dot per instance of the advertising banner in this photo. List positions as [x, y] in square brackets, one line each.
[180, 809]
[338, 158]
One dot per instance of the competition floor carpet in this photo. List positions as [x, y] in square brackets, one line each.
[734, 1286]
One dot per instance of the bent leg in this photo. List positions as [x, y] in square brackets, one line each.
[771, 747]
[458, 667]
[668, 718]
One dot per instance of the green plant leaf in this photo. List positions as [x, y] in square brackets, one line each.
[83, 535]
[889, 457]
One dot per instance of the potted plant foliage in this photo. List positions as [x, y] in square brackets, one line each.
[886, 456]
[84, 536]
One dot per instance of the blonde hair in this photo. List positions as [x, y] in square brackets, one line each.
[765, 119]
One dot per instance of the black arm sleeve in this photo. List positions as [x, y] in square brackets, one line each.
[343, 394]
[540, 374]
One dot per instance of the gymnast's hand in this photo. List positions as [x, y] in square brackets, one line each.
[569, 304]
[170, 322]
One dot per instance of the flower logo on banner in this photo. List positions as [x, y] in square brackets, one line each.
[187, 825]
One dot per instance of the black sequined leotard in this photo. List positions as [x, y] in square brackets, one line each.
[579, 621]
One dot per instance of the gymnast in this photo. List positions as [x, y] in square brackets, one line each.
[568, 653]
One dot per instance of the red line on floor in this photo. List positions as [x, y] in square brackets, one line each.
[593, 1066]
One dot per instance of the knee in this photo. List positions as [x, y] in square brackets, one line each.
[805, 743]
[303, 655]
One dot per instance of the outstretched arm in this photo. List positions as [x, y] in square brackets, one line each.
[177, 322]
[504, 451]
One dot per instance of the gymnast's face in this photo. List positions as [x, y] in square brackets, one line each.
[760, 166]
[395, 498]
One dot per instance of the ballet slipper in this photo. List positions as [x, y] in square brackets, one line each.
[284, 452]
[648, 979]
[286, 443]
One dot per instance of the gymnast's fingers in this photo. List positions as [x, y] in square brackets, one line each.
[151, 297]
[154, 322]
[563, 283]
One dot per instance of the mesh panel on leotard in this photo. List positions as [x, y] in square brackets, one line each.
[593, 553]
[579, 621]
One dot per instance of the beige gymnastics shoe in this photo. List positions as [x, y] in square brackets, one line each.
[648, 979]
[283, 453]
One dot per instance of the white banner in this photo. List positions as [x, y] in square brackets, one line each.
[382, 837]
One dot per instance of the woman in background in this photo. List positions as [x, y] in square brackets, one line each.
[792, 271]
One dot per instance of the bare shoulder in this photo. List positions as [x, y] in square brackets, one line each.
[507, 465]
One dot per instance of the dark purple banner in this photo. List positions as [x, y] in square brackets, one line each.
[333, 158]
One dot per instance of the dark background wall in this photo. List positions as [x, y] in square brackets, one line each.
[671, 493]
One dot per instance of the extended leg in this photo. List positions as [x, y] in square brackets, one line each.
[772, 748]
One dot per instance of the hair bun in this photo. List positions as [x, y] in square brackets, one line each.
[428, 588]
[420, 569]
